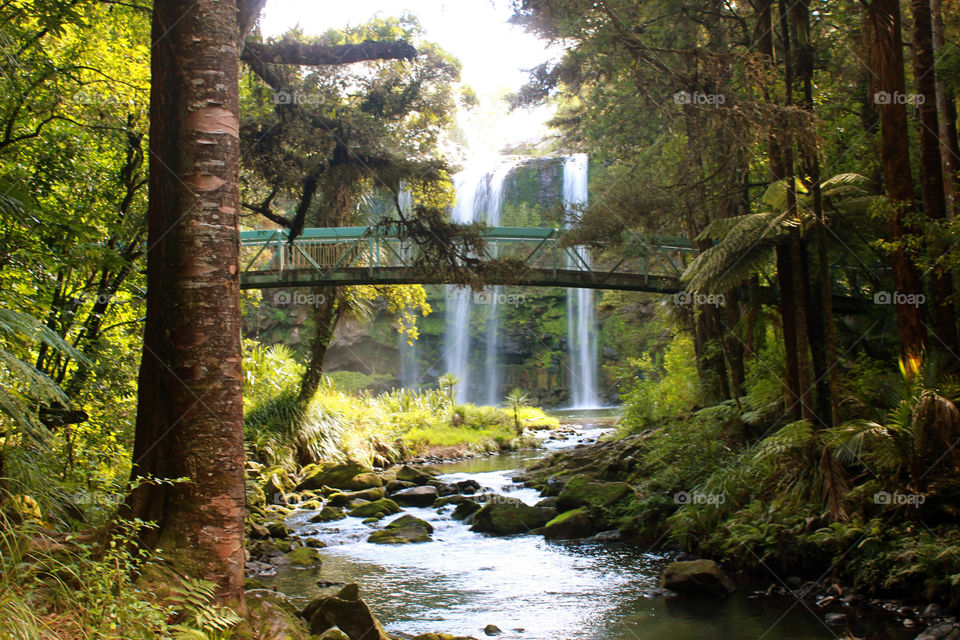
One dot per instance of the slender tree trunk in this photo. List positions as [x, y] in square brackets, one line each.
[824, 351]
[943, 316]
[325, 317]
[190, 412]
[886, 62]
[764, 42]
[947, 120]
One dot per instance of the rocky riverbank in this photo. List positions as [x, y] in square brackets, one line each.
[601, 488]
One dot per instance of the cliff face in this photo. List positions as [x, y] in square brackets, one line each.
[533, 344]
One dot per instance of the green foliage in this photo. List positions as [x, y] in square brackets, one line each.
[356, 381]
[373, 429]
[661, 390]
[73, 588]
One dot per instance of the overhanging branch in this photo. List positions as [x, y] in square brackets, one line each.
[297, 53]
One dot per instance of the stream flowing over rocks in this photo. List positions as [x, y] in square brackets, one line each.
[465, 548]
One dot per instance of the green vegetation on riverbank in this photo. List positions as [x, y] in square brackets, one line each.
[870, 503]
[377, 430]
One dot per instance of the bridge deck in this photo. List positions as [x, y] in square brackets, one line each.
[371, 255]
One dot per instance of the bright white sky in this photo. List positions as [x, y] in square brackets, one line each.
[494, 54]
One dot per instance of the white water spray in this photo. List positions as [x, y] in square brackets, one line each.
[581, 311]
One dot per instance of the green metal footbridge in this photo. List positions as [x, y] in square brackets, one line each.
[379, 255]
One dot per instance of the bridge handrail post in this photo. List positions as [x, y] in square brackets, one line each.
[280, 248]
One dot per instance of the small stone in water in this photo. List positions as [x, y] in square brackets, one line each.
[835, 618]
[492, 630]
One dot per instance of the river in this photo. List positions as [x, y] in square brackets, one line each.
[533, 589]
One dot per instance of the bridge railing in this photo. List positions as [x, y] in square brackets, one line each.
[327, 250]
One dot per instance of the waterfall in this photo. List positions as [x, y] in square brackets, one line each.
[479, 199]
[581, 311]
[409, 362]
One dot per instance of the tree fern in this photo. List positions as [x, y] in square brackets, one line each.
[743, 245]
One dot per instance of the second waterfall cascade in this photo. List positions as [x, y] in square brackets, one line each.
[581, 307]
[473, 355]
[479, 199]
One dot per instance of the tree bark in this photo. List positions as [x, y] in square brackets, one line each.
[298, 53]
[820, 307]
[886, 62]
[947, 120]
[325, 317]
[190, 411]
[943, 316]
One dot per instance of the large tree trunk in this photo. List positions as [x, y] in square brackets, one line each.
[886, 63]
[189, 412]
[943, 317]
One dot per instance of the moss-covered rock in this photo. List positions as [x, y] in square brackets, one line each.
[404, 530]
[407, 473]
[269, 617]
[255, 495]
[365, 481]
[398, 485]
[416, 496]
[465, 508]
[445, 500]
[304, 557]
[311, 505]
[377, 508]
[341, 499]
[276, 480]
[697, 577]
[580, 491]
[352, 476]
[329, 514]
[278, 530]
[345, 611]
[333, 633]
[506, 516]
[569, 525]
[315, 543]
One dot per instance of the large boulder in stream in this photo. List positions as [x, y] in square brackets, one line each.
[505, 516]
[697, 577]
[580, 491]
[352, 476]
[345, 611]
[376, 509]
[404, 530]
[407, 473]
[342, 499]
[569, 525]
[416, 496]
